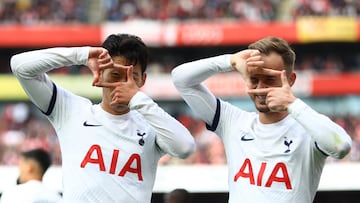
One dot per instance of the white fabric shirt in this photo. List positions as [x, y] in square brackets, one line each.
[105, 157]
[32, 191]
[280, 162]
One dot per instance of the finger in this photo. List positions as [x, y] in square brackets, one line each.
[108, 66]
[102, 65]
[95, 52]
[104, 54]
[254, 52]
[122, 67]
[256, 70]
[114, 94]
[284, 80]
[105, 59]
[114, 101]
[254, 58]
[255, 63]
[105, 64]
[261, 91]
[108, 84]
[96, 79]
[130, 73]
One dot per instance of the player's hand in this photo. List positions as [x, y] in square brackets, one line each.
[123, 91]
[98, 60]
[277, 98]
[241, 60]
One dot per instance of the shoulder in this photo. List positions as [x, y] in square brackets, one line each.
[231, 111]
[230, 117]
[38, 191]
[66, 99]
[11, 194]
[140, 121]
[138, 118]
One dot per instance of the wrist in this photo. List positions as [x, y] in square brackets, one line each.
[296, 107]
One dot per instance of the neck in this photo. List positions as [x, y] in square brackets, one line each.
[271, 117]
[31, 177]
[118, 110]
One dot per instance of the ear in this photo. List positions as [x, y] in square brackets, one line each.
[25, 168]
[143, 79]
[292, 78]
[31, 166]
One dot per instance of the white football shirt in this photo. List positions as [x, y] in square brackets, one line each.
[105, 157]
[279, 162]
[32, 191]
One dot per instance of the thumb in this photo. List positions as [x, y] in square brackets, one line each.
[254, 52]
[129, 73]
[96, 52]
[96, 78]
[284, 80]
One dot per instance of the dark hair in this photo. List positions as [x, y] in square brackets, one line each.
[41, 156]
[129, 46]
[179, 195]
[279, 46]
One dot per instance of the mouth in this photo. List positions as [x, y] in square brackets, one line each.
[261, 99]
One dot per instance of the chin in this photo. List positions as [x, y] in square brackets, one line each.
[120, 109]
[262, 108]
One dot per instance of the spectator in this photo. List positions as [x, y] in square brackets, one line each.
[30, 189]
[178, 196]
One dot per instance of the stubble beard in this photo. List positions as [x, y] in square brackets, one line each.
[260, 105]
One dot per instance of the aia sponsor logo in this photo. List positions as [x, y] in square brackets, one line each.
[94, 156]
[255, 176]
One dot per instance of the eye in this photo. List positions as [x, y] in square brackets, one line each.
[115, 74]
[254, 80]
[271, 80]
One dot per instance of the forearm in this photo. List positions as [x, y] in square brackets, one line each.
[29, 65]
[330, 137]
[188, 79]
[194, 73]
[30, 68]
[172, 136]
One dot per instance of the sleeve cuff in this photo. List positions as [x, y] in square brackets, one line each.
[227, 63]
[221, 63]
[137, 98]
[297, 107]
[83, 55]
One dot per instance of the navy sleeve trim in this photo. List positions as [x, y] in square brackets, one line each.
[317, 147]
[216, 117]
[52, 101]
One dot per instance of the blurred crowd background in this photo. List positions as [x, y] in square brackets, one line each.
[82, 11]
[22, 126]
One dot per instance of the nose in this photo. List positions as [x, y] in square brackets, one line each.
[260, 85]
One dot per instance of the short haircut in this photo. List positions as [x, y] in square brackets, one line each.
[179, 195]
[278, 45]
[41, 156]
[130, 47]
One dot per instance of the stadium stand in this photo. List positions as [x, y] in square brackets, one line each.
[324, 33]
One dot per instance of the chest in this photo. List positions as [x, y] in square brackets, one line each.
[104, 145]
[268, 159]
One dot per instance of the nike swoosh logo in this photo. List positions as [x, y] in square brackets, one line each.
[243, 138]
[86, 124]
